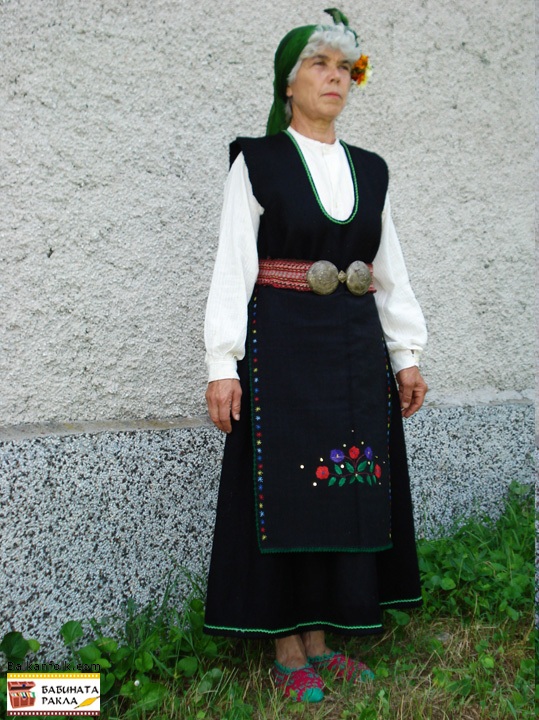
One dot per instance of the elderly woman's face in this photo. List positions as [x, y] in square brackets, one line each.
[321, 85]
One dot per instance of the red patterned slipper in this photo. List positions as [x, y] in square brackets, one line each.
[342, 667]
[301, 684]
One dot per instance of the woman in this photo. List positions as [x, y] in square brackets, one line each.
[306, 539]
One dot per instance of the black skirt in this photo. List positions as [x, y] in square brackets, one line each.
[274, 593]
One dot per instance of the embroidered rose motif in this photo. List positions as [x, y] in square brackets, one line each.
[357, 466]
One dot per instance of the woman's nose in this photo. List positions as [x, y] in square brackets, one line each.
[334, 74]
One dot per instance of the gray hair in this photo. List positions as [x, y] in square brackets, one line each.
[337, 37]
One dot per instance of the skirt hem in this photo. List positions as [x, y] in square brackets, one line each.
[313, 625]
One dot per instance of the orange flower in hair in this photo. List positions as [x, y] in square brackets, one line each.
[361, 70]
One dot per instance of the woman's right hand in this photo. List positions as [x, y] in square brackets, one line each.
[224, 400]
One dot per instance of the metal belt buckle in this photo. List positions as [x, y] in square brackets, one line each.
[323, 277]
[358, 278]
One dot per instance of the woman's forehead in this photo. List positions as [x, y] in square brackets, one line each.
[327, 52]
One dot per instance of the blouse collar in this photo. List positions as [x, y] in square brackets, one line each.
[315, 145]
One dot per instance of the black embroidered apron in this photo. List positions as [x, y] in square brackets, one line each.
[317, 365]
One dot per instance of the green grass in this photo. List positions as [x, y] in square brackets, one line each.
[468, 654]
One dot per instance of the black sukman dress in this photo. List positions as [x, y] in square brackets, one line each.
[314, 525]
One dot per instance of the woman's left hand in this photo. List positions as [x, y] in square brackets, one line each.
[412, 390]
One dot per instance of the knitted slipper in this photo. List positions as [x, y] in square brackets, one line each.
[342, 667]
[300, 684]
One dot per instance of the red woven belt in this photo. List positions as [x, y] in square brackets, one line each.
[291, 274]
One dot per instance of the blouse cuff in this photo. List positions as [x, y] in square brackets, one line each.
[401, 359]
[222, 369]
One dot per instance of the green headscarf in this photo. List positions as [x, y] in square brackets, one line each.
[286, 57]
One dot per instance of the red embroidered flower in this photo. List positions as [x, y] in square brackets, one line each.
[354, 452]
[322, 472]
[377, 470]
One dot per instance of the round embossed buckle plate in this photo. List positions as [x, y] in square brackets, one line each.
[358, 278]
[322, 277]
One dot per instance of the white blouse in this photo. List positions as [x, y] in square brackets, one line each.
[236, 265]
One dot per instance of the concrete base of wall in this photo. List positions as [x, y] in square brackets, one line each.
[92, 519]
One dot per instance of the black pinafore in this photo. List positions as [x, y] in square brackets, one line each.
[314, 524]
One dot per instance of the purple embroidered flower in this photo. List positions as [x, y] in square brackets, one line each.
[336, 455]
[368, 453]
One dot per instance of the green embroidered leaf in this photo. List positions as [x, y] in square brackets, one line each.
[332, 481]
[360, 479]
[338, 470]
[369, 479]
[371, 467]
[362, 466]
[352, 479]
[342, 481]
[373, 479]
[349, 467]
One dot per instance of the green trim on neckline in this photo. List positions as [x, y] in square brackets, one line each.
[294, 627]
[313, 186]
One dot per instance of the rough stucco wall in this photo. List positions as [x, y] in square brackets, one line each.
[114, 128]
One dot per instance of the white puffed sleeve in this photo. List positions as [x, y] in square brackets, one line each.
[402, 321]
[234, 275]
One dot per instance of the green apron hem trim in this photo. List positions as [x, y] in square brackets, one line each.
[330, 549]
[394, 602]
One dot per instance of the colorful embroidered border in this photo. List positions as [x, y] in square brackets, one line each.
[388, 374]
[288, 274]
[258, 465]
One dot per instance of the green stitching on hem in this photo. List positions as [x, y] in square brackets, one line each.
[392, 602]
[331, 549]
[295, 627]
[315, 191]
